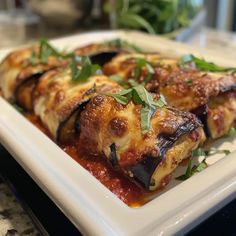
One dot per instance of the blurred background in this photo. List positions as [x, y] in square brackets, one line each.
[191, 21]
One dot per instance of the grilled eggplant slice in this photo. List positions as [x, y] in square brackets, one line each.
[101, 53]
[58, 100]
[112, 129]
[188, 89]
[17, 69]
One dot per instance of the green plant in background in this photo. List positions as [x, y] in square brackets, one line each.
[154, 16]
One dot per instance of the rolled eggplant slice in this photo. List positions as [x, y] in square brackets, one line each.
[112, 129]
[101, 53]
[58, 100]
[17, 68]
[188, 89]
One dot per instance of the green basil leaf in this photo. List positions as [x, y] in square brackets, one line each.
[147, 79]
[213, 151]
[95, 69]
[191, 170]
[146, 114]
[202, 64]
[189, 82]
[46, 50]
[86, 69]
[226, 152]
[139, 95]
[84, 73]
[125, 92]
[119, 43]
[119, 98]
[198, 152]
[201, 166]
[231, 132]
[188, 172]
[136, 97]
[19, 108]
[160, 102]
[150, 68]
[144, 96]
[133, 83]
[117, 78]
[33, 58]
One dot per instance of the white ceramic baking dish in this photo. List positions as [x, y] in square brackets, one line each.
[90, 205]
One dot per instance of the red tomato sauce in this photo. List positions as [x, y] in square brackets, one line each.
[123, 188]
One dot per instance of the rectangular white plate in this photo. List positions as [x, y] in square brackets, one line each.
[84, 200]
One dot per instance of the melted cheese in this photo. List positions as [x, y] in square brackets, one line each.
[56, 96]
[185, 89]
[111, 123]
[16, 68]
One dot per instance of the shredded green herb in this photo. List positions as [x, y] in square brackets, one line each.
[45, 51]
[140, 63]
[19, 108]
[86, 69]
[139, 95]
[122, 44]
[120, 80]
[189, 82]
[191, 170]
[188, 60]
[231, 132]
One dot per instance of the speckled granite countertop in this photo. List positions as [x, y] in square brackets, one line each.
[14, 220]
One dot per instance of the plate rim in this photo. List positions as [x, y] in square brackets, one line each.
[60, 177]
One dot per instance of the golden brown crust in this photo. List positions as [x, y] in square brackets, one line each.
[17, 68]
[186, 89]
[95, 48]
[131, 146]
[57, 96]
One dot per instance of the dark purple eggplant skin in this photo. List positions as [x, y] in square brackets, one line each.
[101, 58]
[228, 88]
[34, 78]
[142, 172]
[113, 157]
[76, 126]
[201, 113]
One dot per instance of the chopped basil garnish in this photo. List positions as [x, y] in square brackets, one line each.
[231, 132]
[189, 82]
[201, 64]
[191, 170]
[18, 108]
[119, 43]
[33, 58]
[140, 63]
[46, 50]
[120, 80]
[86, 69]
[139, 95]
[198, 152]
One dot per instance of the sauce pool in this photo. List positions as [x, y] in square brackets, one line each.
[123, 188]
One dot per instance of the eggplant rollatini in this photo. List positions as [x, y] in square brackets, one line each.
[104, 127]
[147, 159]
[210, 95]
[20, 71]
[107, 128]
[58, 100]
[101, 53]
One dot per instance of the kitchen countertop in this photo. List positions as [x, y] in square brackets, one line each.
[14, 220]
